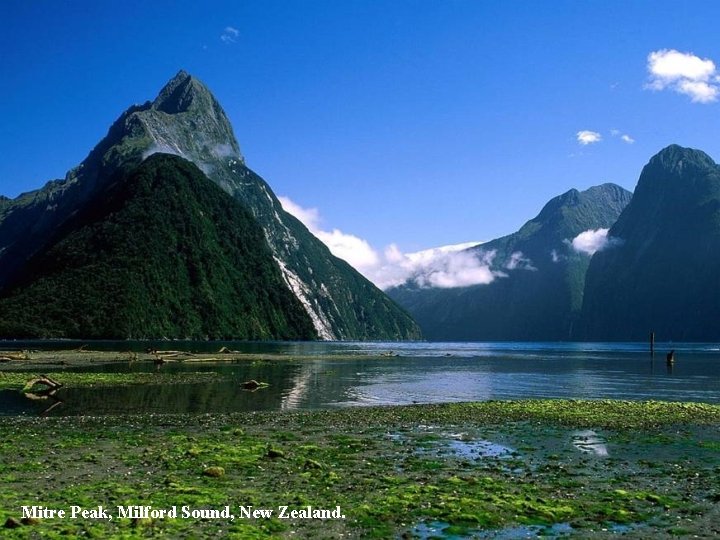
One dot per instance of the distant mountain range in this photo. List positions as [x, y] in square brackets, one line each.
[69, 268]
[537, 293]
[657, 268]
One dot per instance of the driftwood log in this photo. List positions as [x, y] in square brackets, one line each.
[10, 356]
[51, 388]
[167, 356]
[44, 380]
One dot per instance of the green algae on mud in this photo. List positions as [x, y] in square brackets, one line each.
[390, 469]
[18, 379]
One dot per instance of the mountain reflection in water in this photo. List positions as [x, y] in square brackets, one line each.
[324, 375]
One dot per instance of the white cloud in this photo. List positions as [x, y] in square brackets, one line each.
[669, 64]
[593, 240]
[157, 148]
[309, 216]
[519, 261]
[356, 251]
[624, 137]
[586, 137]
[445, 267]
[684, 73]
[223, 150]
[699, 91]
[229, 35]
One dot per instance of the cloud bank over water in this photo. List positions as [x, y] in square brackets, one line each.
[443, 267]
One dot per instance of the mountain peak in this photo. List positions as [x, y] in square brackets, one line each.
[554, 205]
[677, 159]
[607, 187]
[184, 119]
[182, 93]
[598, 204]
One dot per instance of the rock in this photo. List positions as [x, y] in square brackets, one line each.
[250, 385]
[311, 464]
[30, 521]
[253, 385]
[11, 523]
[214, 472]
[274, 453]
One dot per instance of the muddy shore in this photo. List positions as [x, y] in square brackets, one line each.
[489, 470]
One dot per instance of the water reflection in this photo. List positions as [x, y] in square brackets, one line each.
[590, 442]
[47, 397]
[303, 383]
[322, 375]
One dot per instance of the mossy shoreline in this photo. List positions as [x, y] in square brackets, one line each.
[25, 360]
[16, 380]
[482, 469]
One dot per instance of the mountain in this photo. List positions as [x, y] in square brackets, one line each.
[664, 274]
[537, 290]
[186, 120]
[160, 251]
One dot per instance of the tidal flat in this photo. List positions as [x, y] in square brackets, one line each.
[496, 469]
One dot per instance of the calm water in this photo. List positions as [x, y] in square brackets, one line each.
[325, 375]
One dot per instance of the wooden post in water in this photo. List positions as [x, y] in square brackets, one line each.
[652, 343]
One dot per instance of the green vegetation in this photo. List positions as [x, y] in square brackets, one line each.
[161, 252]
[391, 469]
[540, 297]
[664, 275]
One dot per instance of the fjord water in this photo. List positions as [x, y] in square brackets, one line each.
[325, 375]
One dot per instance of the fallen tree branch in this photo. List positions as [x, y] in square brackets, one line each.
[42, 380]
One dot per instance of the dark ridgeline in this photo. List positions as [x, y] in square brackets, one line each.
[161, 251]
[665, 276]
[541, 297]
[186, 120]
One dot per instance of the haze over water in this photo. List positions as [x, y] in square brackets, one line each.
[327, 375]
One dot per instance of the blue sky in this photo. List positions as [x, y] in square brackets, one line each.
[416, 123]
